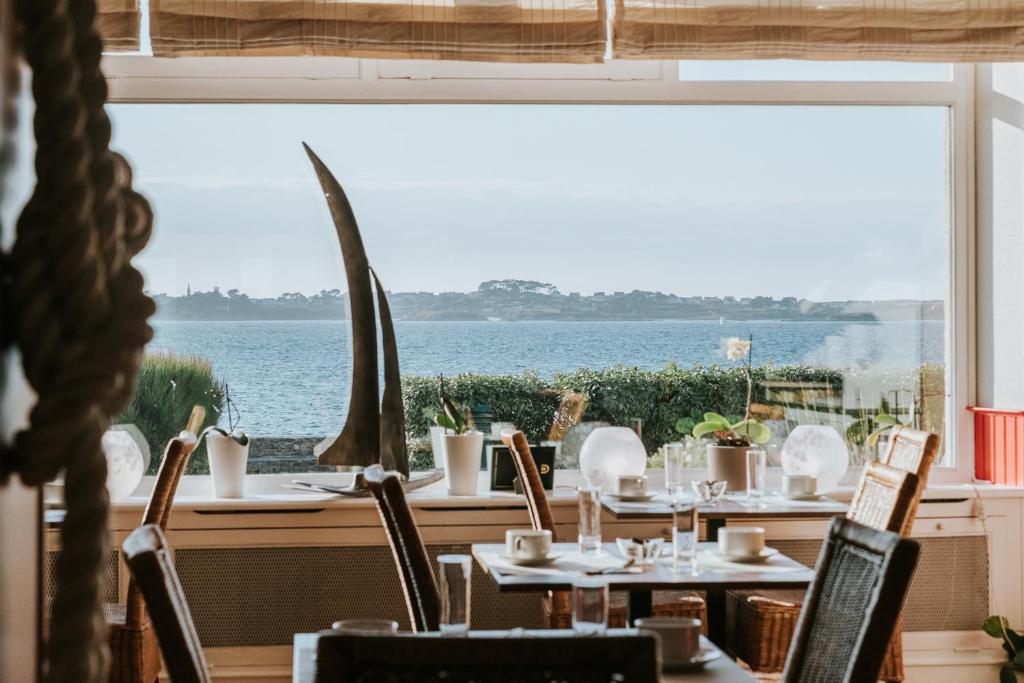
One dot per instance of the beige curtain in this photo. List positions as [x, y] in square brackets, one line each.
[119, 24]
[479, 30]
[909, 30]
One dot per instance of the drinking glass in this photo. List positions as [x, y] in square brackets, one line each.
[366, 627]
[589, 605]
[590, 519]
[454, 583]
[757, 467]
[685, 527]
[675, 463]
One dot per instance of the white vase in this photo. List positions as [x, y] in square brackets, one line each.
[462, 462]
[610, 452]
[228, 460]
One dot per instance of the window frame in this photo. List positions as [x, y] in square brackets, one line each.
[144, 79]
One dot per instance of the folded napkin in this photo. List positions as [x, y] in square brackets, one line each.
[569, 563]
[775, 564]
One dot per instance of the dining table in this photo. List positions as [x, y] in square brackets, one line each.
[712, 574]
[721, 670]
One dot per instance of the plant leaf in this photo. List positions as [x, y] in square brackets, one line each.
[753, 430]
[886, 419]
[873, 437]
[720, 420]
[705, 428]
[443, 420]
[683, 425]
[995, 626]
[1007, 674]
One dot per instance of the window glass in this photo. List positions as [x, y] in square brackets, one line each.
[803, 70]
[606, 251]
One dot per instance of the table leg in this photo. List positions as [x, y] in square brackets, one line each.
[640, 604]
[715, 603]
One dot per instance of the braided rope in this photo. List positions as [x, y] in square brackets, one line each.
[76, 308]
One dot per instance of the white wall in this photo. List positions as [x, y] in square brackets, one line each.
[1000, 234]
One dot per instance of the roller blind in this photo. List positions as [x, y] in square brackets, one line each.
[479, 30]
[119, 24]
[909, 30]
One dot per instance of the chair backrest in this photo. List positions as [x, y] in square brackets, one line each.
[383, 659]
[852, 606]
[884, 498]
[158, 510]
[414, 567]
[149, 559]
[914, 451]
[529, 477]
[570, 412]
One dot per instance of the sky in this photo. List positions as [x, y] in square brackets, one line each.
[823, 203]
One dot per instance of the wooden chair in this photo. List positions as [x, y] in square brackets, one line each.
[557, 605]
[414, 568]
[570, 412]
[133, 644]
[852, 607]
[762, 623]
[149, 559]
[410, 659]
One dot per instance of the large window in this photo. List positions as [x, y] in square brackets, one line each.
[608, 249]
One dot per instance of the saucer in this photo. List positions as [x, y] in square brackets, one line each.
[531, 561]
[802, 496]
[764, 556]
[633, 497]
[705, 656]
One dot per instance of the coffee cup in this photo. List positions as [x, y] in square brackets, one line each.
[741, 541]
[527, 544]
[632, 485]
[678, 637]
[799, 485]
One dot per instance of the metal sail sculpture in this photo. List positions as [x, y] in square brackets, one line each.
[372, 434]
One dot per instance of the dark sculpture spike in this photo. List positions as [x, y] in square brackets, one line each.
[359, 441]
[393, 455]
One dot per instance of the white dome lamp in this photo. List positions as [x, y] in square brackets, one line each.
[127, 459]
[817, 451]
[610, 452]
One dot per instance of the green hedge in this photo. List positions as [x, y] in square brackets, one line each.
[617, 395]
[166, 388]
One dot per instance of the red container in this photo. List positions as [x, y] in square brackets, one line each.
[999, 445]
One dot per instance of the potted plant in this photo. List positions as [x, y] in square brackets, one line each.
[1013, 643]
[228, 452]
[727, 455]
[461, 445]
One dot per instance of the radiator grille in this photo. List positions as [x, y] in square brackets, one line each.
[949, 591]
[111, 567]
[250, 597]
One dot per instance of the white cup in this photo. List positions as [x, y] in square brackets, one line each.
[679, 637]
[632, 484]
[527, 544]
[799, 485]
[741, 541]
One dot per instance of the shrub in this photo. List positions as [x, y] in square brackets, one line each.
[166, 388]
[617, 395]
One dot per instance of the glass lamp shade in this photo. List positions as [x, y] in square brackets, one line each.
[610, 452]
[126, 462]
[817, 451]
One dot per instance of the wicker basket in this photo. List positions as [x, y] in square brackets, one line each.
[558, 608]
[759, 630]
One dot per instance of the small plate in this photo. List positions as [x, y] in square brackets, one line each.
[531, 562]
[633, 497]
[802, 496]
[698, 661]
[766, 554]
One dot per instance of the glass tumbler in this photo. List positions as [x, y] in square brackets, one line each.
[590, 519]
[589, 605]
[453, 582]
[675, 463]
[757, 469]
[685, 528]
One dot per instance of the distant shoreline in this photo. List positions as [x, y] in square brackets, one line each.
[552, 320]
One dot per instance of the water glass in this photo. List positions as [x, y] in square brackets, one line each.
[589, 605]
[675, 463]
[590, 519]
[757, 469]
[685, 528]
[454, 580]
